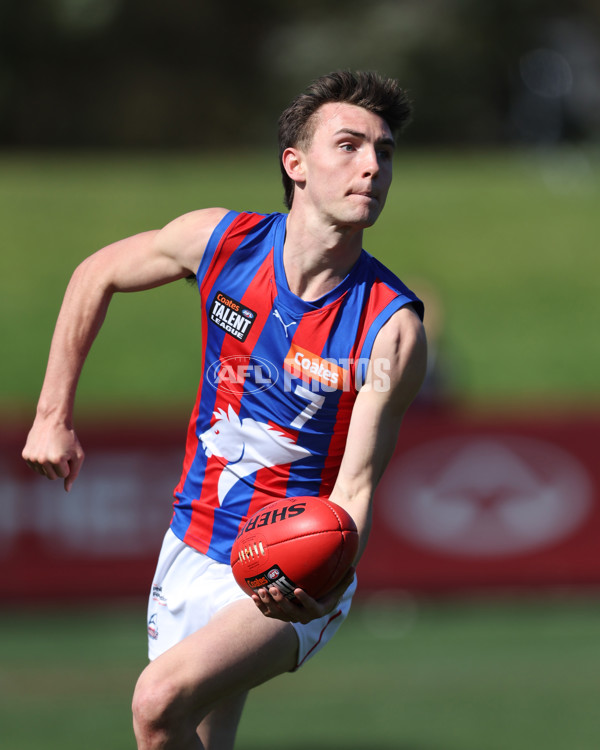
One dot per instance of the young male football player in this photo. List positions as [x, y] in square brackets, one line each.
[311, 353]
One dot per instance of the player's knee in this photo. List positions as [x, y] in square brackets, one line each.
[150, 708]
[158, 718]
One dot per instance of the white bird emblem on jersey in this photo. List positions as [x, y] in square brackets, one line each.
[246, 445]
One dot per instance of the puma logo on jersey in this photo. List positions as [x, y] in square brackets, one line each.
[285, 325]
[231, 316]
[305, 364]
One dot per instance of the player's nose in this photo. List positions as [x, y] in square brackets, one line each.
[370, 162]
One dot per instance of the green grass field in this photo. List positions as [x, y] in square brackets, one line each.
[454, 675]
[507, 241]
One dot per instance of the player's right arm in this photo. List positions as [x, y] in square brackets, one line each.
[143, 261]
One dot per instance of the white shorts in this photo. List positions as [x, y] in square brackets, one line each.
[189, 588]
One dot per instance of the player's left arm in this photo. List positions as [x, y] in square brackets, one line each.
[396, 371]
[395, 374]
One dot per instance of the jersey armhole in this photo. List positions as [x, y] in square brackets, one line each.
[364, 355]
[213, 243]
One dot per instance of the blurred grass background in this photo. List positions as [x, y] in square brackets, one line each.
[506, 243]
[403, 675]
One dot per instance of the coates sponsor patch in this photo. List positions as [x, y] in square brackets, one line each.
[230, 315]
[274, 575]
[309, 366]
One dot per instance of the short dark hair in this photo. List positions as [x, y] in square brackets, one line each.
[382, 96]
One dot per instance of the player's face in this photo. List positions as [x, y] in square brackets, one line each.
[348, 165]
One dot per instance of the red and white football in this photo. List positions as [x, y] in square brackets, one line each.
[301, 542]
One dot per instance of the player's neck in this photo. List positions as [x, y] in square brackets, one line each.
[318, 257]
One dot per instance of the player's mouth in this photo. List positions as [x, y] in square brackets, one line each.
[366, 194]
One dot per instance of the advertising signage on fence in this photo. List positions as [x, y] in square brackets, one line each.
[466, 503]
[488, 502]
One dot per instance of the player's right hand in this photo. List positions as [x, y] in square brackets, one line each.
[54, 451]
[302, 608]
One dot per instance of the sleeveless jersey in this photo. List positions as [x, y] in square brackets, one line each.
[279, 378]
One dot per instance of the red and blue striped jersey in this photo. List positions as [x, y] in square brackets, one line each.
[279, 379]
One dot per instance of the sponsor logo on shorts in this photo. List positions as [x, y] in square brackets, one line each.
[153, 627]
[158, 596]
[230, 315]
[274, 575]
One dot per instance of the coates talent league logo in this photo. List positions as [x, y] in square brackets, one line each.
[230, 315]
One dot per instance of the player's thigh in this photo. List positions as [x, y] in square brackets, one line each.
[237, 650]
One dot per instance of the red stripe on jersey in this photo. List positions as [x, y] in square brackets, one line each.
[313, 332]
[271, 482]
[202, 515]
[201, 524]
[380, 297]
[191, 444]
[270, 485]
[315, 328]
[255, 298]
[203, 508]
[229, 243]
[337, 444]
[236, 232]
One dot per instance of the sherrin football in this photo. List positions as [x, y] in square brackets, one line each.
[301, 542]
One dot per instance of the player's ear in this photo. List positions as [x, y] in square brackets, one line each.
[293, 163]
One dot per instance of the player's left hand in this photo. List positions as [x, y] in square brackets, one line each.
[302, 608]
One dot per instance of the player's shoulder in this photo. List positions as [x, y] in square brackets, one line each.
[400, 349]
[252, 222]
[402, 339]
[383, 279]
[405, 325]
[202, 221]
[192, 228]
[188, 236]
